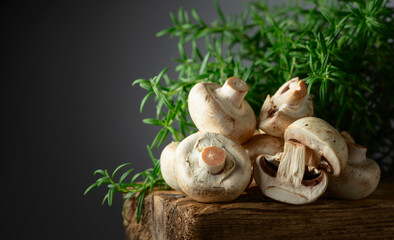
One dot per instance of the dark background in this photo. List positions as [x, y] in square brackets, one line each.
[69, 108]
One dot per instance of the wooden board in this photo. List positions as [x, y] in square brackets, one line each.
[170, 215]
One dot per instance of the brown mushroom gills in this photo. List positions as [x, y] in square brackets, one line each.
[291, 182]
[212, 159]
[235, 90]
[309, 178]
[294, 165]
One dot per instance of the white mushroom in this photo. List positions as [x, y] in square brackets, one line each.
[347, 137]
[212, 168]
[290, 182]
[326, 142]
[222, 109]
[312, 147]
[360, 177]
[167, 163]
[263, 144]
[289, 103]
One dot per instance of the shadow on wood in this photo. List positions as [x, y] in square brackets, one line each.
[170, 215]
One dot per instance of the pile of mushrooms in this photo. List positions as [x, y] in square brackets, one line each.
[294, 157]
[211, 165]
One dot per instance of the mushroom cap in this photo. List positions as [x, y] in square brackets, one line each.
[211, 112]
[263, 144]
[202, 186]
[306, 192]
[360, 177]
[348, 138]
[325, 141]
[167, 163]
[289, 103]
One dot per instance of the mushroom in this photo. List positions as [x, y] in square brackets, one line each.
[312, 148]
[211, 167]
[167, 163]
[290, 182]
[263, 144]
[289, 103]
[222, 109]
[326, 142]
[360, 177]
[347, 137]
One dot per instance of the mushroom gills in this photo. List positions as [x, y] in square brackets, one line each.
[311, 176]
[291, 181]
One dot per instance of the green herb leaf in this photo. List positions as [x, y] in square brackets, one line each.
[125, 175]
[141, 199]
[153, 121]
[120, 167]
[90, 188]
[219, 11]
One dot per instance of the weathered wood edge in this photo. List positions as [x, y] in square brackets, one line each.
[170, 215]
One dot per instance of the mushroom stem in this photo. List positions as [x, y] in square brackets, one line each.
[293, 93]
[235, 89]
[299, 90]
[357, 153]
[212, 159]
[292, 165]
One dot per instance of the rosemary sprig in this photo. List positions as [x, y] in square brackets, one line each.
[344, 51]
[131, 188]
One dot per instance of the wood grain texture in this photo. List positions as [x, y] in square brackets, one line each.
[170, 215]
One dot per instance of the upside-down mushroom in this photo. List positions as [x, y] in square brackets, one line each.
[212, 168]
[289, 103]
[289, 182]
[360, 177]
[222, 109]
[312, 148]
